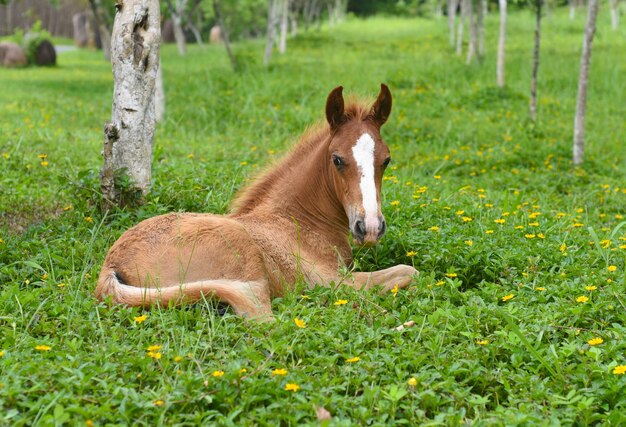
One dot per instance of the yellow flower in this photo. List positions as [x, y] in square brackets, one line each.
[451, 275]
[582, 299]
[412, 382]
[158, 403]
[467, 219]
[611, 268]
[279, 371]
[619, 370]
[61, 285]
[141, 318]
[341, 302]
[395, 203]
[217, 374]
[595, 341]
[154, 355]
[563, 247]
[89, 423]
[43, 347]
[353, 359]
[529, 236]
[154, 348]
[43, 156]
[439, 283]
[433, 228]
[482, 342]
[488, 231]
[242, 371]
[243, 163]
[507, 297]
[292, 387]
[469, 242]
[178, 359]
[541, 236]
[394, 291]
[460, 212]
[591, 288]
[88, 219]
[411, 254]
[299, 323]
[499, 221]
[540, 288]
[437, 176]
[1, 353]
[44, 163]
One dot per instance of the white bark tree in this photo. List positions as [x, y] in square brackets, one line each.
[461, 24]
[533, 81]
[614, 14]
[473, 36]
[159, 95]
[177, 11]
[284, 25]
[128, 136]
[452, 8]
[273, 11]
[583, 83]
[501, 44]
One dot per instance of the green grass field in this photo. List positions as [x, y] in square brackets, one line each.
[520, 308]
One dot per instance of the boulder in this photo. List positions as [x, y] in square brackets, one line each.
[45, 54]
[12, 55]
[216, 35]
[80, 22]
[167, 32]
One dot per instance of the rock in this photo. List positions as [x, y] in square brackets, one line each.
[167, 32]
[12, 55]
[216, 35]
[80, 22]
[45, 54]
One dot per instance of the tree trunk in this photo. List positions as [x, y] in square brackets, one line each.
[284, 25]
[614, 14]
[583, 82]
[471, 46]
[128, 136]
[179, 35]
[452, 7]
[501, 44]
[159, 95]
[103, 29]
[220, 21]
[459, 33]
[482, 12]
[272, 20]
[533, 82]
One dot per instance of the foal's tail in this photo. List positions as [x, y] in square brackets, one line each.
[247, 298]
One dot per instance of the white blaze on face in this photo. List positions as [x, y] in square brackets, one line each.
[363, 152]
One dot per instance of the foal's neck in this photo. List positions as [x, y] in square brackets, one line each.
[301, 190]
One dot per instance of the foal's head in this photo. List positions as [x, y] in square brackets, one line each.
[358, 157]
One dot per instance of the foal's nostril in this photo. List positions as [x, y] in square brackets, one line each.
[359, 229]
[382, 228]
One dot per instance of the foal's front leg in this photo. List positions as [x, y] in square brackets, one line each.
[399, 275]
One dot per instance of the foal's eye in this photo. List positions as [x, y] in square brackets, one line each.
[338, 161]
[386, 162]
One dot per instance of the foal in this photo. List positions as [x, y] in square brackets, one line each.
[291, 223]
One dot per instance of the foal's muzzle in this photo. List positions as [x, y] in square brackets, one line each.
[366, 233]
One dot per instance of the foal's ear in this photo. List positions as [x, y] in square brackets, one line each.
[382, 107]
[334, 108]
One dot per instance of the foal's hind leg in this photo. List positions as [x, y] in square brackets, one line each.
[399, 275]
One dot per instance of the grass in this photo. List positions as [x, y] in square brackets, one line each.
[522, 256]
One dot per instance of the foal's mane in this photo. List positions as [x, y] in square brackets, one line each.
[319, 133]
